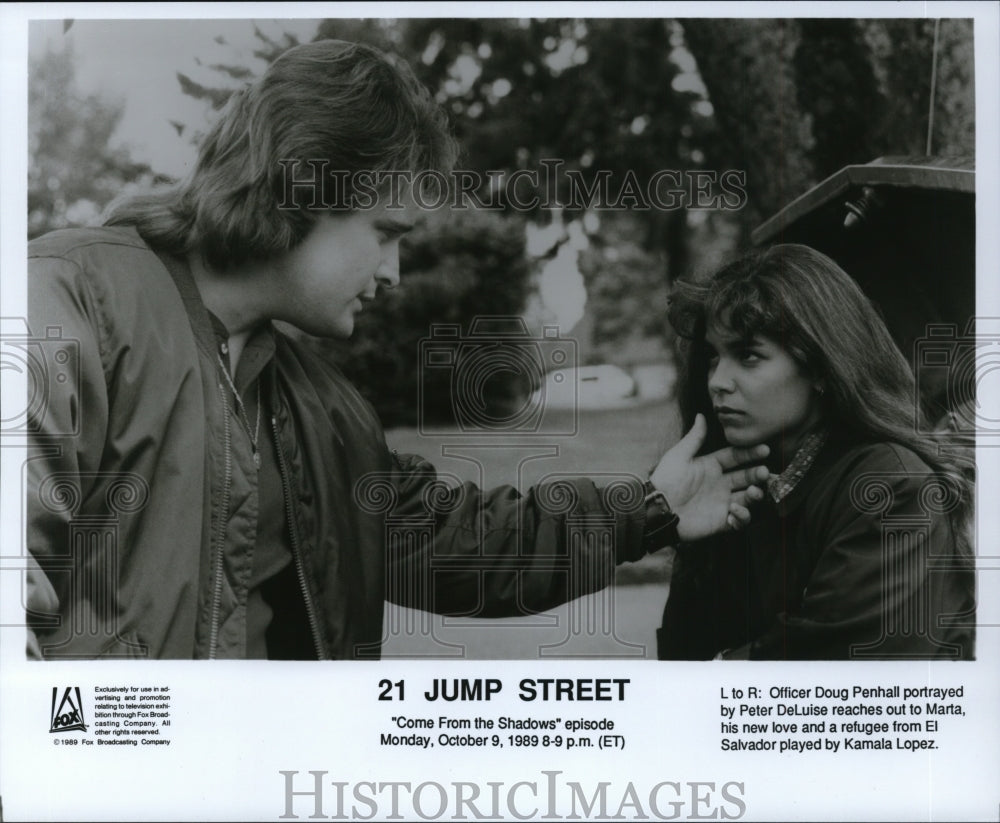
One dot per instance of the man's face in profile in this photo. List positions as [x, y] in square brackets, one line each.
[324, 282]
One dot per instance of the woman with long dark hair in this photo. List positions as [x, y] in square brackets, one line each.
[860, 548]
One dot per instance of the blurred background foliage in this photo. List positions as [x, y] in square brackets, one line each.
[787, 102]
[72, 171]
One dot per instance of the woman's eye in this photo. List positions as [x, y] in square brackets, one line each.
[749, 356]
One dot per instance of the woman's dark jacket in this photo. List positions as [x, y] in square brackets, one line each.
[859, 561]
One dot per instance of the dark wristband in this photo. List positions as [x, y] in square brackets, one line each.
[661, 521]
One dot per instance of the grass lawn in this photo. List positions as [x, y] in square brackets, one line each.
[618, 622]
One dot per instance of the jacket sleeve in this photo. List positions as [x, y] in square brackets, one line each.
[871, 592]
[502, 553]
[66, 421]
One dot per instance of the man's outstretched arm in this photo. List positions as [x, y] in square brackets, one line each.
[502, 552]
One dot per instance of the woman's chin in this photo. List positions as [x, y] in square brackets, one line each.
[739, 438]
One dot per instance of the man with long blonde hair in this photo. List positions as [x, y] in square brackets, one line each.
[244, 530]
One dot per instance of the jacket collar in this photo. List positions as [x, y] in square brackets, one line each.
[832, 449]
[198, 315]
[209, 331]
[779, 486]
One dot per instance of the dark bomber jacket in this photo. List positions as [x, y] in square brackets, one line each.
[143, 524]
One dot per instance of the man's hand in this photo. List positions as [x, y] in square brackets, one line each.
[709, 493]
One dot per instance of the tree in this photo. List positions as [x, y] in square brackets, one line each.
[795, 100]
[903, 52]
[598, 96]
[836, 89]
[759, 127]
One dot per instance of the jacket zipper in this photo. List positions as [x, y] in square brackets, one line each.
[220, 541]
[296, 547]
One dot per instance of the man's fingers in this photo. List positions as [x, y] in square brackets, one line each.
[741, 478]
[749, 496]
[729, 458]
[739, 516]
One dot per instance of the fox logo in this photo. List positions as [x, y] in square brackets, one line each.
[68, 716]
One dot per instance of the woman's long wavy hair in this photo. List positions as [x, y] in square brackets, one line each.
[804, 301]
[326, 106]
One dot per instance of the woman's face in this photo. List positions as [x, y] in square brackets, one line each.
[759, 392]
